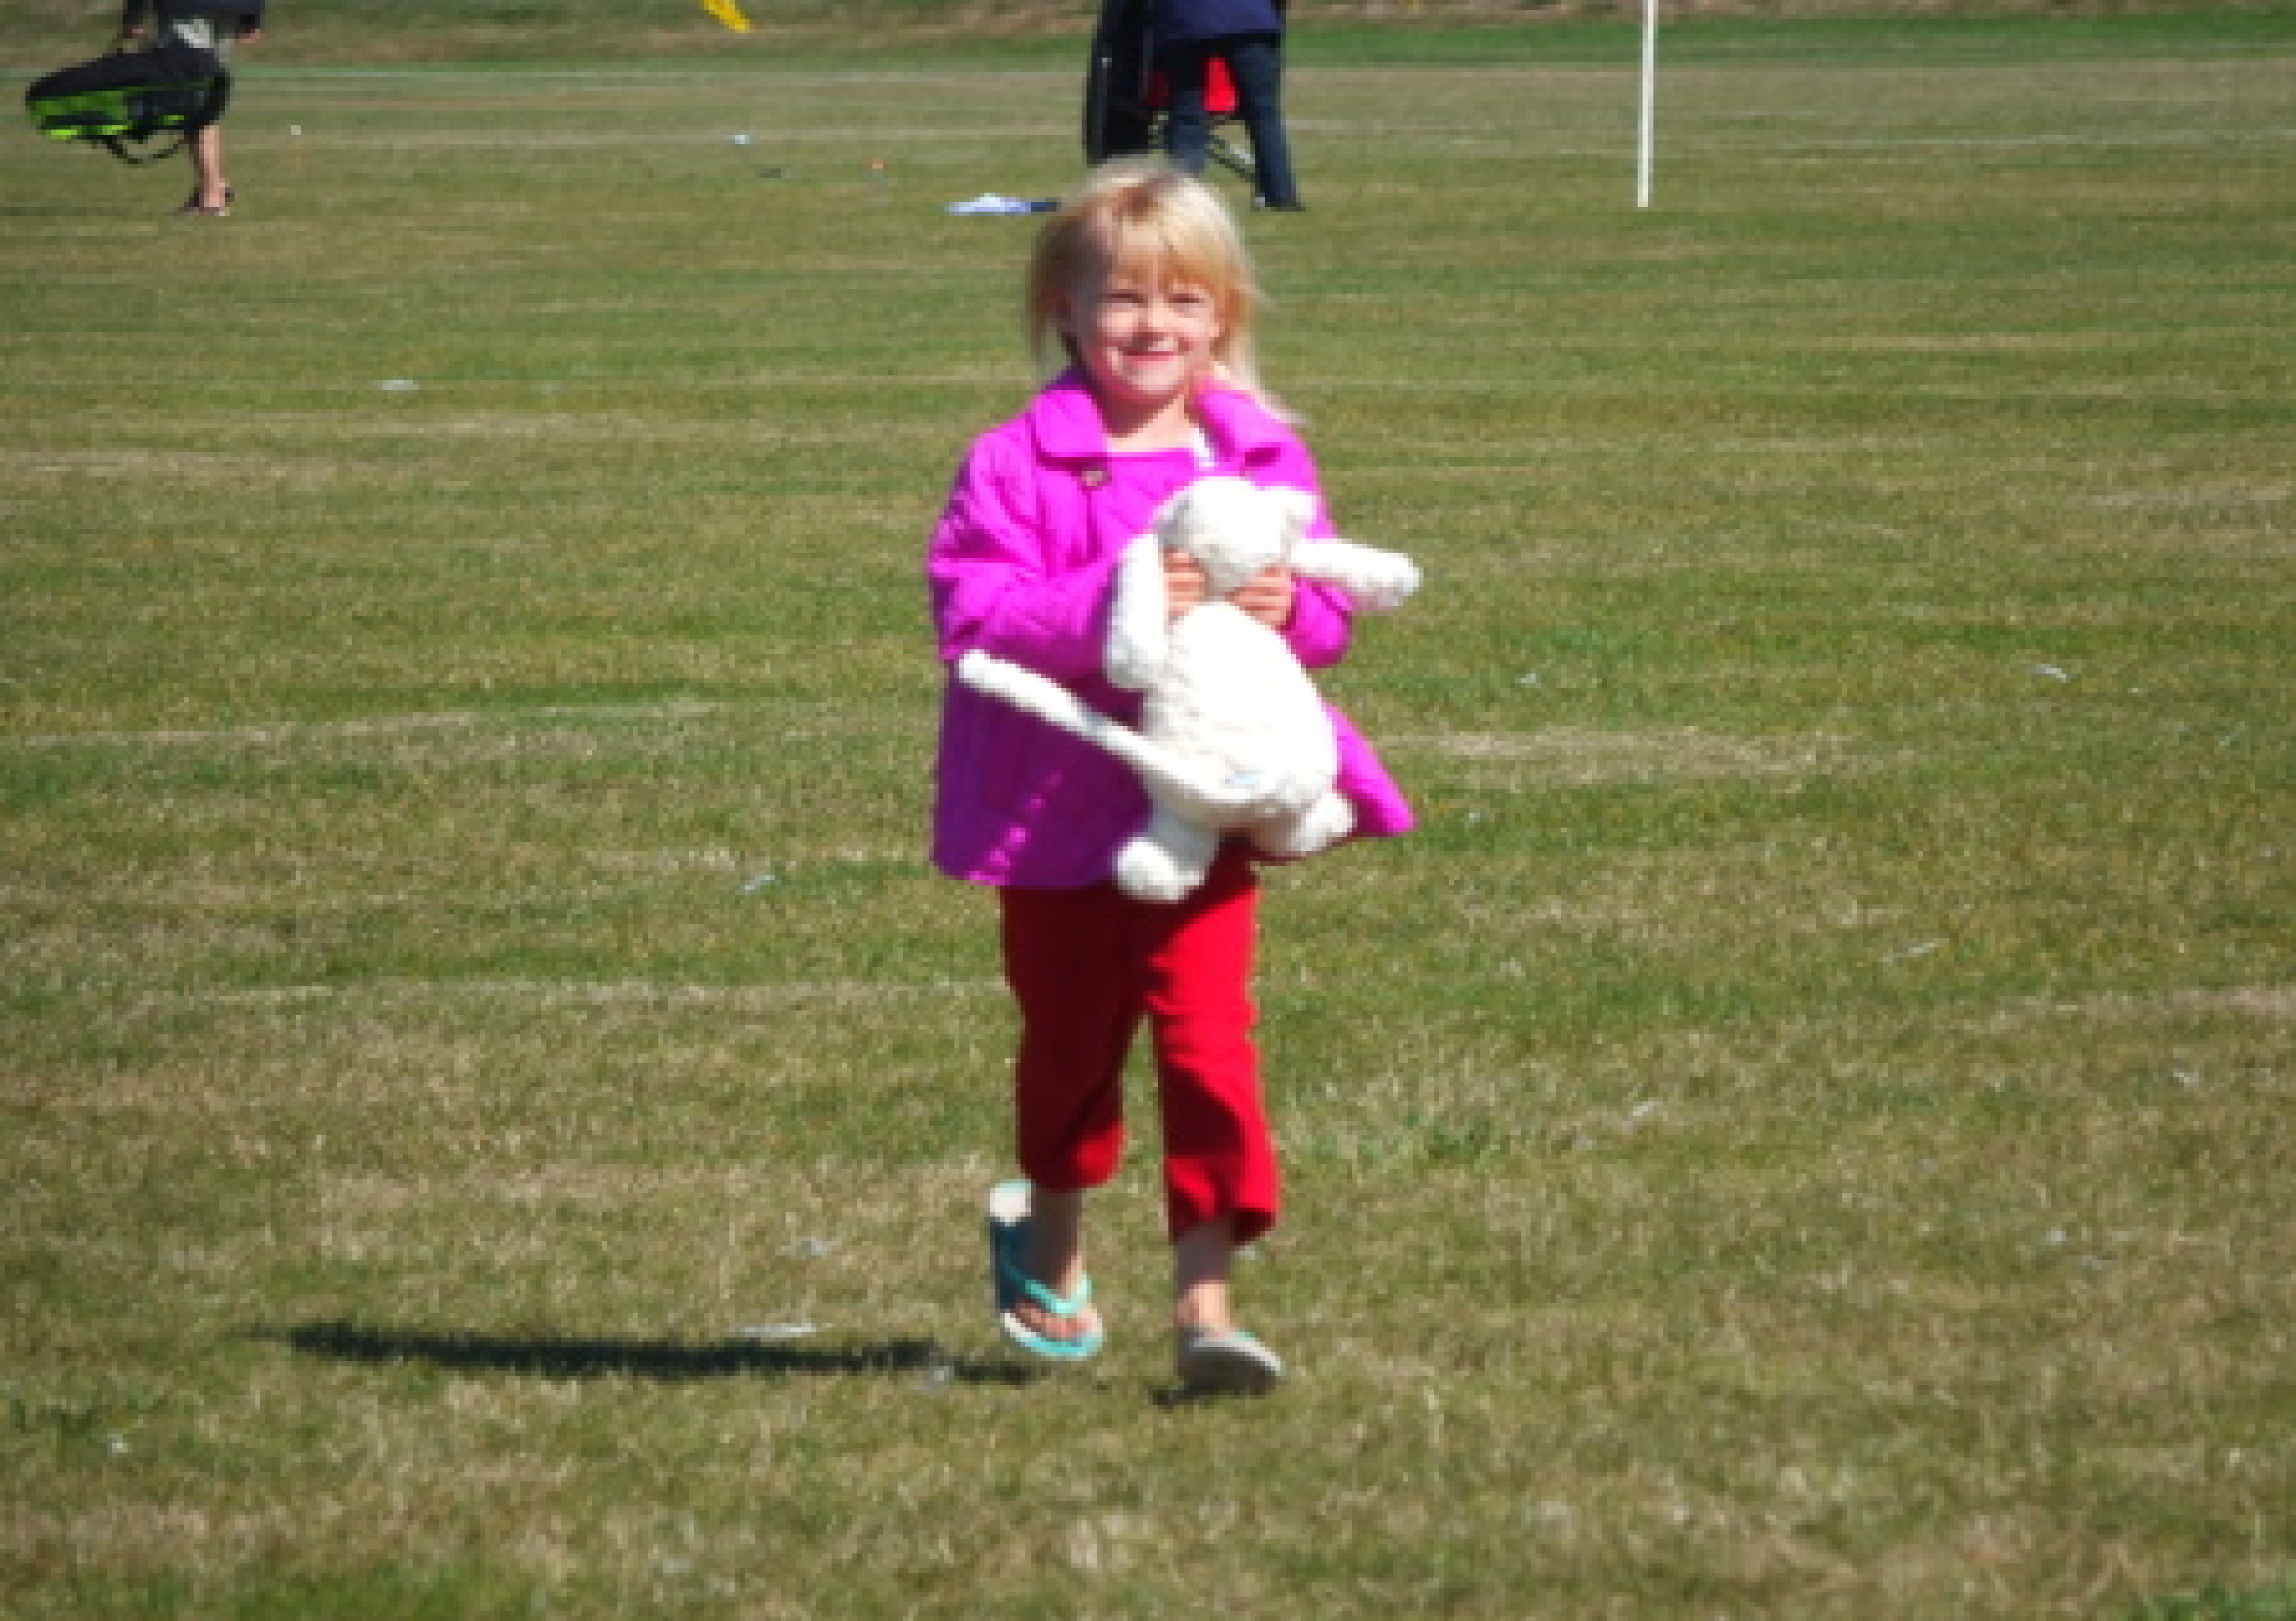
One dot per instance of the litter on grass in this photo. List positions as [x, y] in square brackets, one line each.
[997, 202]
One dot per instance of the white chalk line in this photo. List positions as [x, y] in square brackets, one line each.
[391, 726]
[649, 994]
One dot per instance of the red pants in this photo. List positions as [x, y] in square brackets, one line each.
[1087, 965]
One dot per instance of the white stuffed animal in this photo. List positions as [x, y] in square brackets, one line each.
[1232, 736]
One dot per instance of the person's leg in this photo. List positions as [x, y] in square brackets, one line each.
[1187, 121]
[1201, 1261]
[1067, 960]
[1256, 63]
[1213, 1356]
[210, 189]
[1055, 1258]
[1222, 1186]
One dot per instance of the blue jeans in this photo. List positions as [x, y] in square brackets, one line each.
[1255, 61]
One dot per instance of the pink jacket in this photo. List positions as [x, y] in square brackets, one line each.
[1021, 564]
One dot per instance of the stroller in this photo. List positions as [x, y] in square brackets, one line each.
[1126, 99]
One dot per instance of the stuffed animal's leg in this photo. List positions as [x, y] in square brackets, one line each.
[1053, 703]
[1319, 827]
[1237, 797]
[1371, 578]
[1169, 858]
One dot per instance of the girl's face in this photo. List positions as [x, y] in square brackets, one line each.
[1144, 342]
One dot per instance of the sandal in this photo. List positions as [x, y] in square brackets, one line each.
[1008, 1250]
[1228, 1364]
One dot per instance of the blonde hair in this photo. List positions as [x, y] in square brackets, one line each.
[1144, 217]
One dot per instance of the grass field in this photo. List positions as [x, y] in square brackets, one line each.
[495, 1105]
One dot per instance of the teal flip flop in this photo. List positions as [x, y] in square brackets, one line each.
[1008, 1250]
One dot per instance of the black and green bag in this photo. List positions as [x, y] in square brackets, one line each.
[130, 98]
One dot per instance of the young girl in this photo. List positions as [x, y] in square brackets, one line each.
[1143, 283]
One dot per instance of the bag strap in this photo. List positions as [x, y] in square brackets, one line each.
[117, 146]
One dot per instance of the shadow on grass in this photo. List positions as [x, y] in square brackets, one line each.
[554, 1357]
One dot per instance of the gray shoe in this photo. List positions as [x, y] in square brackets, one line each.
[1233, 1363]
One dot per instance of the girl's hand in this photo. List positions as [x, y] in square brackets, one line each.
[1184, 584]
[1267, 597]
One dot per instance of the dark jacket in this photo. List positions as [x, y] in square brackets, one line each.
[136, 13]
[1186, 22]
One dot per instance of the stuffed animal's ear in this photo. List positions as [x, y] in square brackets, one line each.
[1175, 521]
[1139, 623]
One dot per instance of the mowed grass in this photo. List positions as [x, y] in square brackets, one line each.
[496, 1105]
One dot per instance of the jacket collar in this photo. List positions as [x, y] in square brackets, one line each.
[1065, 422]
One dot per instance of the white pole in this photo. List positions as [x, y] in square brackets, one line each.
[1650, 90]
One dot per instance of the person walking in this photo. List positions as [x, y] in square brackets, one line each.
[1188, 36]
[1142, 279]
[213, 26]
